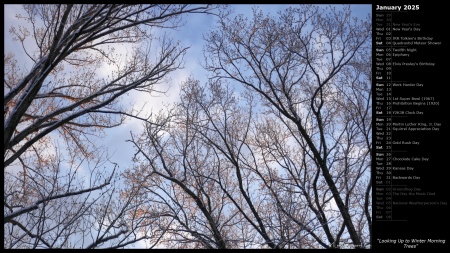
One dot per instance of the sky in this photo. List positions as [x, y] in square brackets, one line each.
[191, 34]
[201, 24]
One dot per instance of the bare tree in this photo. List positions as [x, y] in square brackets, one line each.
[299, 65]
[175, 170]
[289, 155]
[54, 111]
[273, 152]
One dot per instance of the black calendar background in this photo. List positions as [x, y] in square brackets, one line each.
[413, 226]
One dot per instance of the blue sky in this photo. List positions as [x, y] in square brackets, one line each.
[190, 35]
